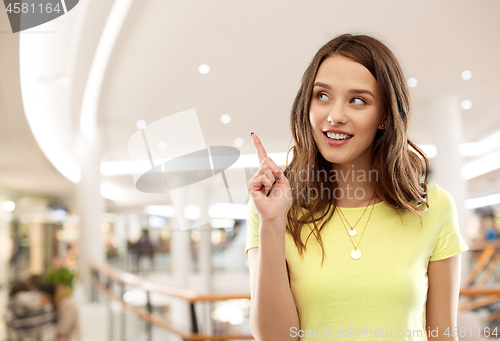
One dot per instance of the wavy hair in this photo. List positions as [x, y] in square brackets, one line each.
[402, 166]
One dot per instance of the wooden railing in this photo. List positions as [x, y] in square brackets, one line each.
[474, 290]
[477, 294]
[103, 277]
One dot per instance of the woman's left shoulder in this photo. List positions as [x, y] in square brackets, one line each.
[433, 191]
[439, 198]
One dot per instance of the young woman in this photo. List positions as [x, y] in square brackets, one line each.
[350, 241]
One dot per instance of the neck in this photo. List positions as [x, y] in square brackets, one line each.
[356, 183]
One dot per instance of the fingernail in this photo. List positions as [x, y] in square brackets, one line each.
[252, 133]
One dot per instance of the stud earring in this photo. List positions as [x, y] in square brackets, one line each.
[329, 120]
[383, 125]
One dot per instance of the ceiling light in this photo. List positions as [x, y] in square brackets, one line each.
[429, 150]
[225, 118]
[141, 124]
[160, 210]
[222, 223]
[238, 142]
[481, 147]
[412, 82]
[482, 201]
[466, 105]
[204, 69]
[112, 192]
[126, 167]
[114, 168]
[481, 166]
[230, 211]
[466, 75]
[9, 206]
[43, 113]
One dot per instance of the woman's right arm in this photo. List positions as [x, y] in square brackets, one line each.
[273, 312]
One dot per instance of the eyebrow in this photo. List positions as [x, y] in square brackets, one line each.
[354, 91]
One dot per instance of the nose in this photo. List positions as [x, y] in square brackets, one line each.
[337, 115]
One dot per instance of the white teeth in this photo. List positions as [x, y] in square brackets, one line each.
[337, 136]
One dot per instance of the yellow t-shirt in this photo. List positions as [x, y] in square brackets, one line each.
[385, 291]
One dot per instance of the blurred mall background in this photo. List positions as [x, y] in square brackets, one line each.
[75, 90]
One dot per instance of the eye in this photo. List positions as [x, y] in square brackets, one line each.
[321, 94]
[357, 100]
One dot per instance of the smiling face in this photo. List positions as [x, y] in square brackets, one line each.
[346, 94]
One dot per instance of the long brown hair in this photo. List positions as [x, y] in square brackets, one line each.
[400, 169]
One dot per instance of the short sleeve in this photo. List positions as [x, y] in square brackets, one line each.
[253, 223]
[449, 241]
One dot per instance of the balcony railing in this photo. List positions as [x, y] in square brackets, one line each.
[104, 277]
[476, 292]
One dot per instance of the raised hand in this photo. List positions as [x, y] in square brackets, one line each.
[269, 188]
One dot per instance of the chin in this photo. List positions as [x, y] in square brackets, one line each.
[337, 159]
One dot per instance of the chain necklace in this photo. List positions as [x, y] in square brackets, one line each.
[352, 231]
[356, 253]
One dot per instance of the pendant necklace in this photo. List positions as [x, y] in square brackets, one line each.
[356, 253]
[352, 231]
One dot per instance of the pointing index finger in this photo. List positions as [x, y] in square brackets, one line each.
[261, 152]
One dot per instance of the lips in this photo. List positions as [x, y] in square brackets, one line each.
[336, 131]
[338, 136]
[332, 142]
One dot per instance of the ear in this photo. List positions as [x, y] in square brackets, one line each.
[383, 124]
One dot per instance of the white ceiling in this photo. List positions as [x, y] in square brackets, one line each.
[257, 52]
[23, 166]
